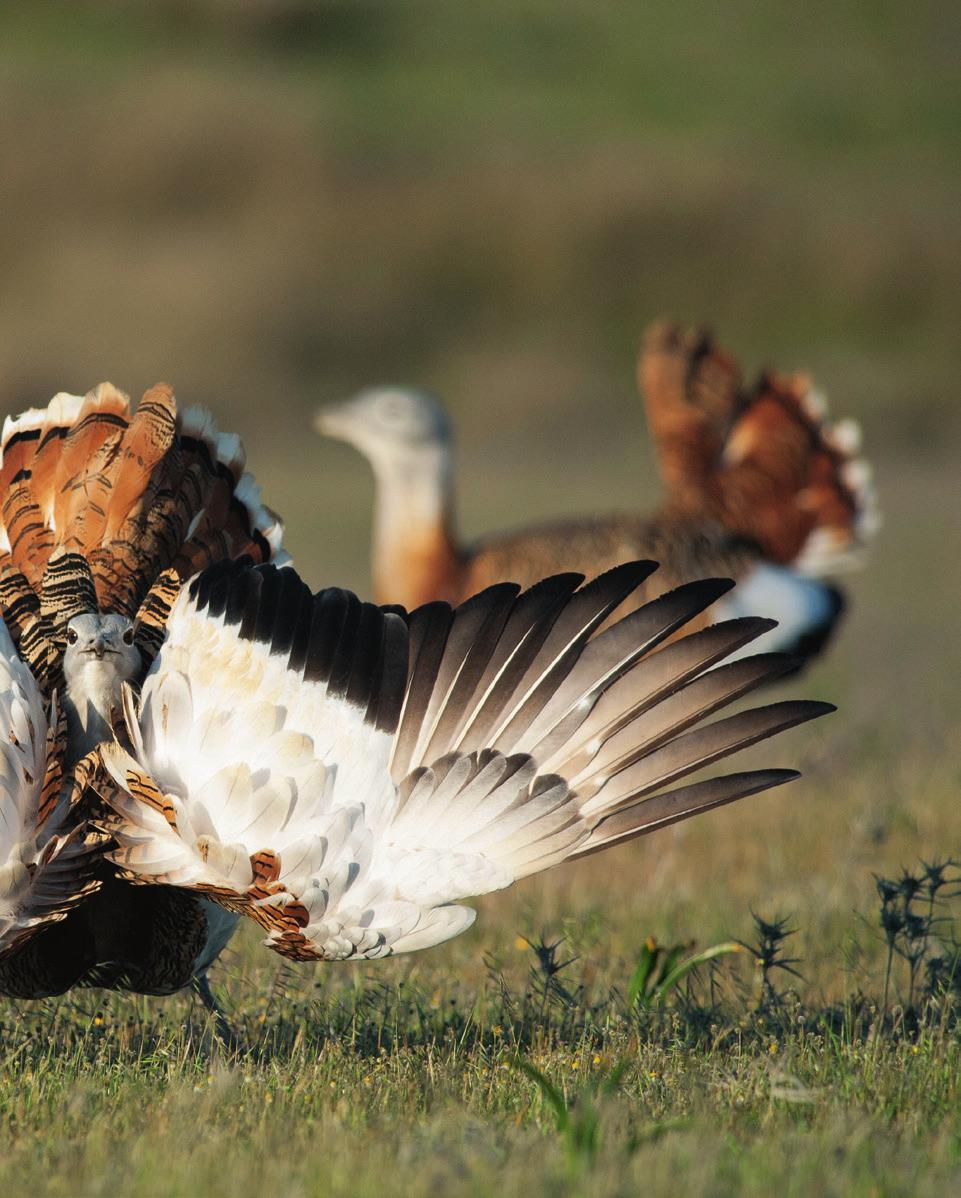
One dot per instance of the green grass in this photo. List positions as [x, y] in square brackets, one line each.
[355, 1085]
[274, 204]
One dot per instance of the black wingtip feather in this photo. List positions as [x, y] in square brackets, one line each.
[627, 576]
[608, 591]
[251, 607]
[293, 599]
[710, 589]
[199, 590]
[387, 700]
[267, 607]
[327, 619]
[237, 596]
[500, 592]
[218, 595]
[557, 584]
[365, 656]
[326, 626]
[300, 641]
[342, 659]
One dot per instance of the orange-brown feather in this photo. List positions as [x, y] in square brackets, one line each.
[147, 440]
[780, 480]
[103, 415]
[114, 505]
[31, 541]
[762, 462]
[692, 395]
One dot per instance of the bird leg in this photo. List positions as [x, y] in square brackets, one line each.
[224, 1032]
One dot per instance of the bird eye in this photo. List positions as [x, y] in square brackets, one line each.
[128, 637]
[72, 636]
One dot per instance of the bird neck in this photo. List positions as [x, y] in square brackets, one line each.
[91, 698]
[415, 558]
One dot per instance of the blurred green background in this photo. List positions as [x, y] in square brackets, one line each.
[272, 204]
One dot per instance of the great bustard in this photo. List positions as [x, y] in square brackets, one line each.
[191, 736]
[760, 488]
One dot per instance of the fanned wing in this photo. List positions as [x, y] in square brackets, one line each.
[259, 765]
[765, 460]
[344, 775]
[46, 857]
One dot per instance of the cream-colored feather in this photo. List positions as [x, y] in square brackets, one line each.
[45, 857]
[265, 737]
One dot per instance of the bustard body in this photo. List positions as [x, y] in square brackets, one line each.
[190, 735]
[760, 488]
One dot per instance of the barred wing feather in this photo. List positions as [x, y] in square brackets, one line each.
[346, 774]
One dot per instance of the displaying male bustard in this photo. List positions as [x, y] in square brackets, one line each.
[760, 488]
[191, 736]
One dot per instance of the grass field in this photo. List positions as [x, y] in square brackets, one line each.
[272, 205]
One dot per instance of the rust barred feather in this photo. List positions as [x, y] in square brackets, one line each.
[151, 617]
[763, 461]
[53, 775]
[107, 509]
[149, 437]
[692, 394]
[67, 589]
[87, 452]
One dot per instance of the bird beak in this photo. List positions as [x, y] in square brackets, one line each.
[336, 420]
[98, 648]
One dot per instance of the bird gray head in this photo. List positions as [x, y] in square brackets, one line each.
[100, 646]
[383, 422]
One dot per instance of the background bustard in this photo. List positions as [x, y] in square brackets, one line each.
[760, 488]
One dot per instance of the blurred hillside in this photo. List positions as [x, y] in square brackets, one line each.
[272, 204]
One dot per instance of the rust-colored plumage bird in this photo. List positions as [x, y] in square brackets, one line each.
[190, 736]
[760, 489]
[104, 515]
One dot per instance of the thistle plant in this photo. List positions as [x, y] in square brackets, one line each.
[909, 919]
[768, 950]
[545, 979]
